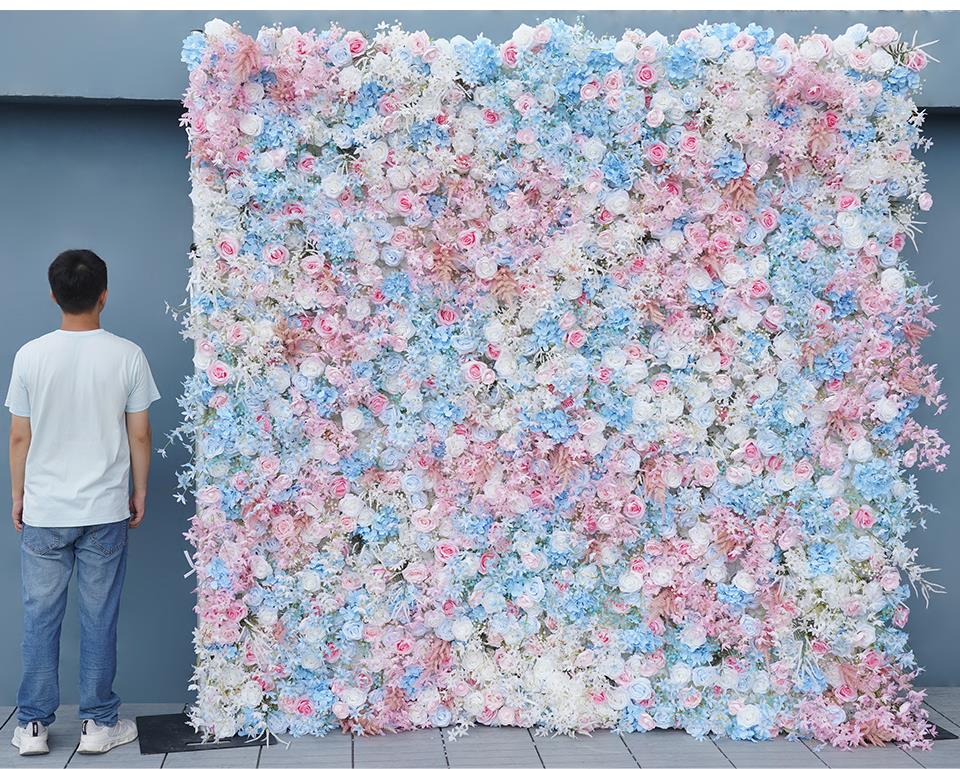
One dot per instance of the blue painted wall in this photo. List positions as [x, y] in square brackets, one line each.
[112, 176]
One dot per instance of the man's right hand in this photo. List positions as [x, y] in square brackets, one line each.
[17, 513]
[138, 507]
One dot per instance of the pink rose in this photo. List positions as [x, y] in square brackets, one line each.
[326, 326]
[473, 371]
[590, 90]
[657, 153]
[445, 550]
[269, 465]
[387, 104]
[228, 246]
[377, 403]
[645, 75]
[660, 384]
[356, 43]
[218, 373]
[312, 264]
[864, 518]
[916, 60]
[447, 316]
[769, 219]
[237, 334]
[508, 54]
[283, 526]
[275, 253]
[689, 143]
[339, 486]
[467, 239]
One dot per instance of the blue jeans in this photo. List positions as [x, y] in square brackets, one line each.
[47, 556]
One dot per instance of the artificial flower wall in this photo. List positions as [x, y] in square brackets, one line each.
[563, 382]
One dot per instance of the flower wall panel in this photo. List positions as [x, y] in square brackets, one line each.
[561, 382]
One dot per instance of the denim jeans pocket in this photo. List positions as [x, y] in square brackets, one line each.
[40, 540]
[109, 538]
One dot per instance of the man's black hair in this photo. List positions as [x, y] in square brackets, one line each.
[77, 278]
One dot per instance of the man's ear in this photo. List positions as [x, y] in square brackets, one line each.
[53, 297]
[103, 298]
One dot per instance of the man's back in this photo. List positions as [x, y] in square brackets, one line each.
[75, 386]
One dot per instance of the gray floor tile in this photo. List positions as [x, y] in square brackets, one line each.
[780, 752]
[221, 758]
[945, 754]
[887, 757]
[603, 750]
[673, 748]
[419, 748]
[332, 751]
[488, 746]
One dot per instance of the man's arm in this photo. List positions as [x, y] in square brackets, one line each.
[19, 444]
[139, 436]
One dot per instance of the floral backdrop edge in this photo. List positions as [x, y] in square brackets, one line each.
[566, 382]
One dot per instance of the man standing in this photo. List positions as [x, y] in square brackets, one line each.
[78, 397]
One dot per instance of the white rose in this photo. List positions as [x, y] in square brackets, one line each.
[523, 36]
[351, 419]
[812, 49]
[217, 28]
[880, 61]
[312, 367]
[624, 51]
[766, 386]
[698, 279]
[462, 629]
[701, 533]
[455, 445]
[662, 576]
[886, 409]
[310, 581]
[594, 149]
[614, 358]
[742, 61]
[732, 273]
[353, 696]
[630, 582]
[358, 309]
[680, 674]
[251, 125]
[860, 450]
[250, 694]
[745, 581]
[253, 92]
[712, 47]
[617, 202]
[748, 716]
[485, 268]
[332, 185]
[350, 505]
[891, 279]
[350, 78]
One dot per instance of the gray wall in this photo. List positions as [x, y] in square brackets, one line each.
[40, 52]
[111, 176]
[114, 180]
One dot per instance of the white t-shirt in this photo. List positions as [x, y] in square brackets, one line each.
[76, 386]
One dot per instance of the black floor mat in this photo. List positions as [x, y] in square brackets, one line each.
[172, 733]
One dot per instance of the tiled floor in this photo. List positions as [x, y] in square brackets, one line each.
[505, 747]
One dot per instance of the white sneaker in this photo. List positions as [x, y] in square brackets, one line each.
[100, 739]
[31, 739]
